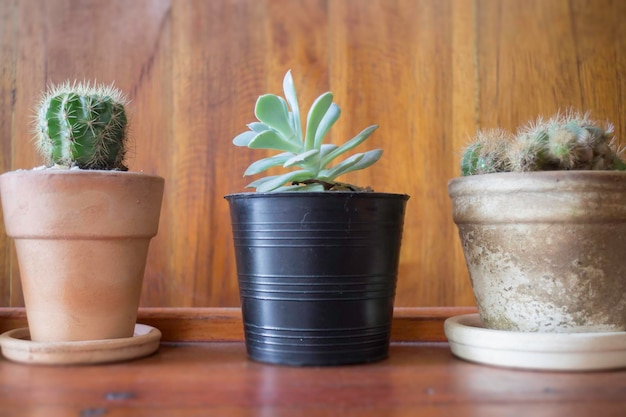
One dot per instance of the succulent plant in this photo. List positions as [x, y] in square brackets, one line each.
[82, 125]
[566, 141]
[279, 127]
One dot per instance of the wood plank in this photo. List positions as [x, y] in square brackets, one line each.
[429, 72]
[219, 71]
[8, 9]
[526, 61]
[152, 134]
[224, 324]
[599, 31]
[119, 42]
[465, 112]
[410, 45]
[211, 90]
[537, 57]
[217, 379]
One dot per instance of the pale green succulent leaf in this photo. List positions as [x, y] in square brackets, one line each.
[369, 158]
[267, 163]
[329, 119]
[293, 126]
[351, 144]
[272, 110]
[260, 181]
[271, 139]
[316, 114]
[279, 127]
[354, 163]
[243, 139]
[302, 158]
[331, 173]
[290, 94]
[326, 148]
[258, 127]
[280, 180]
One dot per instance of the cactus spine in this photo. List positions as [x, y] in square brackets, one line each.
[83, 125]
[486, 154]
[569, 141]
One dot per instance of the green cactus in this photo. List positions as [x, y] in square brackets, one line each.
[83, 125]
[487, 153]
[530, 150]
[566, 141]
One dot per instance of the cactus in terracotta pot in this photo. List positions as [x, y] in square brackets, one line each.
[487, 153]
[542, 232]
[82, 125]
[566, 141]
[82, 227]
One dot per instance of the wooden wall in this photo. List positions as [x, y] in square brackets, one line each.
[429, 72]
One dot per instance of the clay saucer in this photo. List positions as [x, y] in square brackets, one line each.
[17, 346]
[470, 340]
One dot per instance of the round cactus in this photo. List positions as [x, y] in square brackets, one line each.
[487, 153]
[567, 141]
[83, 125]
[571, 141]
[529, 150]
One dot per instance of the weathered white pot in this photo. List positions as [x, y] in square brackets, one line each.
[546, 251]
[82, 239]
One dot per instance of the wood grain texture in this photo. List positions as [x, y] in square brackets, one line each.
[428, 72]
[537, 57]
[410, 324]
[216, 379]
[7, 90]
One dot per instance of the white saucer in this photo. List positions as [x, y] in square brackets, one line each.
[470, 340]
[17, 347]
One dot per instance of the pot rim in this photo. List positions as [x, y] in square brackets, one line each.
[78, 172]
[538, 181]
[322, 194]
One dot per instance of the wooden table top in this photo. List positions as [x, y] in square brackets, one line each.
[216, 379]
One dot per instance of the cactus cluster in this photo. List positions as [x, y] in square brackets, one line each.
[82, 125]
[566, 141]
[279, 128]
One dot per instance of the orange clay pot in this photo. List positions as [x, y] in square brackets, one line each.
[82, 239]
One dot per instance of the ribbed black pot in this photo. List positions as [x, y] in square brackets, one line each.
[317, 274]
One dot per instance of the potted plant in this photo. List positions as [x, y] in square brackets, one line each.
[541, 215]
[82, 223]
[317, 259]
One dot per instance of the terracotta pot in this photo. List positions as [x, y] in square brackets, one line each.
[546, 251]
[81, 238]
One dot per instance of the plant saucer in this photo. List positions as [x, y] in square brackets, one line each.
[470, 340]
[17, 346]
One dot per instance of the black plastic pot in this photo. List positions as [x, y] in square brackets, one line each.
[317, 274]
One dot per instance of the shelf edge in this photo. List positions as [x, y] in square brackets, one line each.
[223, 324]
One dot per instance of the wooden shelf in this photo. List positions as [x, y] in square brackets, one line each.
[410, 324]
[202, 370]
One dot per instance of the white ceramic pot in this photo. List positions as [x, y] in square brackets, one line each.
[81, 239]
[546, 251]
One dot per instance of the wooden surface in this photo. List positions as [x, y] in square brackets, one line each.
[201, 369]
[429, 72]
[216, 379]
[410, 324]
